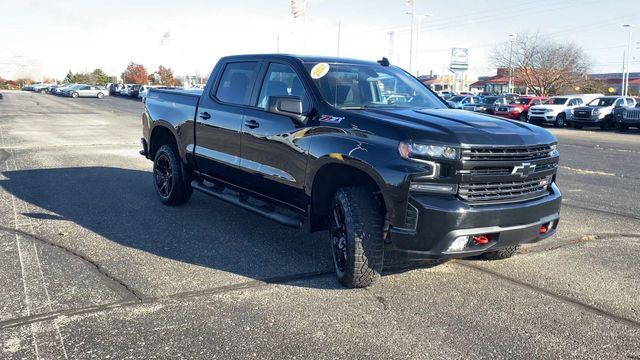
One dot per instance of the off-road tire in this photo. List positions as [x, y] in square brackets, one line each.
[363, 225]
[560, 120]
[500, 254]
[178, 188]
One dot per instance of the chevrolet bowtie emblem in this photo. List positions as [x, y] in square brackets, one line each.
[524, 170]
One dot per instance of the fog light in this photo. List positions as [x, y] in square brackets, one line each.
[459, 243]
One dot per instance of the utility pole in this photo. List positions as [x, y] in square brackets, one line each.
[420, 17]
[626, 87]
[624, 58]
[512, 39]
[391, 49]
[338, 50]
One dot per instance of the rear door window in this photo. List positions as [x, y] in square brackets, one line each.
[236, 82]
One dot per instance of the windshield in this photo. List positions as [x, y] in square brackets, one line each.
[523, 101]
[557, 101]
[601, 102]
[356, 86]
[457, 98]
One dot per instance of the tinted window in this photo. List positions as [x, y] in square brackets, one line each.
[557, 101]
[536, 102]
[236, 83]
[281, 80]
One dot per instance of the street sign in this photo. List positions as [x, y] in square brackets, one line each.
[459, 59]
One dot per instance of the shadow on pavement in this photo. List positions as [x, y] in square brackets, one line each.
[121, 206]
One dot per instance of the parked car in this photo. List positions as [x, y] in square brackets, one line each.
[296, 139]
[447, 94]
[60, 89]
[599, 112]
[134, 90]
[629, 117]
[461, 100]
[486, 105]
[519, 108]
[84, 90]
[557, 110]
[143, 91]
[124, 89]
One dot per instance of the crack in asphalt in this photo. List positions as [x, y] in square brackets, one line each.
[578, 240]
[35, 318]
[574, 205]
[113, 282]
[563, 298]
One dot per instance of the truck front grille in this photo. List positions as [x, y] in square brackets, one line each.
[582, 114]
[631, 114]
[507, 154]
[510, 191]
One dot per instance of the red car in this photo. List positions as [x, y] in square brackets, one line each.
[518, 110]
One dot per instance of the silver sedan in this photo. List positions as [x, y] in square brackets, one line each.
[88, 91]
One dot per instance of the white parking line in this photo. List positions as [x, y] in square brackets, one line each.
[587, 172]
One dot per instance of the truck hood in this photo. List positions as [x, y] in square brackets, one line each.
[457, 127]
[549, 106]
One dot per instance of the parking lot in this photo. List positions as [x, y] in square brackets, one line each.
[93, 266]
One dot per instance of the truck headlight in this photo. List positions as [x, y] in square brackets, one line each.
[407, 149]
[596, 112]
[554, 150]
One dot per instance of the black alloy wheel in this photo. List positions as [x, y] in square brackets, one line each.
[163, 175]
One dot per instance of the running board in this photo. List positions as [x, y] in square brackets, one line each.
[242, 200]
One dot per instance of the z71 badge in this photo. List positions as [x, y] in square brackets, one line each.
[331, 119]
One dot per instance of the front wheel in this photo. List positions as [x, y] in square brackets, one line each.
[170, 180]
[100, 95]
[356, 230]
[623, 128]
[523, 117]
[503, 253]
[75, 95]
[560, 120]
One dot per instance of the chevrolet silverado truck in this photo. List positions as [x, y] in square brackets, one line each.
[599, 112]
[309, 142]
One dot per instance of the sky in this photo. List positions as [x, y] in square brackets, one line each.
[81, 35]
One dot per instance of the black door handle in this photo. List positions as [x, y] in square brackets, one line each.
[252, 124]
[205, 115]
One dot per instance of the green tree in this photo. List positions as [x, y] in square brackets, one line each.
[69, 77]
[99, 77]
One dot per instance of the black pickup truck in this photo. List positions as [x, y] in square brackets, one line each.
[361, 149]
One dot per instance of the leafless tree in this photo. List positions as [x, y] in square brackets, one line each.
[543, 65]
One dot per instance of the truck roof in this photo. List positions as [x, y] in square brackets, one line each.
[302, 58]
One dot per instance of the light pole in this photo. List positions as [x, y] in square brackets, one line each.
[512, 39]
[413, 20]
[420, 17]
[626, 80]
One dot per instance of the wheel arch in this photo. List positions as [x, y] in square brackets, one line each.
[336, 171]
[160, 134]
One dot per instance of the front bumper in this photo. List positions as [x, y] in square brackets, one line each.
[593, 119]
[441, 220]
[542, 118]
[510, 115]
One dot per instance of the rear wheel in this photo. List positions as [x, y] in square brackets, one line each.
[356, 231]
[170, 179]
[75, 95]
[560, 120]
[500, 254]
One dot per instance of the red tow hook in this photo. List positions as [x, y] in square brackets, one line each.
[543, 229]
[480, 239]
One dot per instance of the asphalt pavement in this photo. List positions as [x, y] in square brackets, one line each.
[92, 266]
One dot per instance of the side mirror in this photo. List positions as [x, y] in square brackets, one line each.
[290, 106]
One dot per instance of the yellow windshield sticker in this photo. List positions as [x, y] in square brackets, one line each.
[319, 70]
